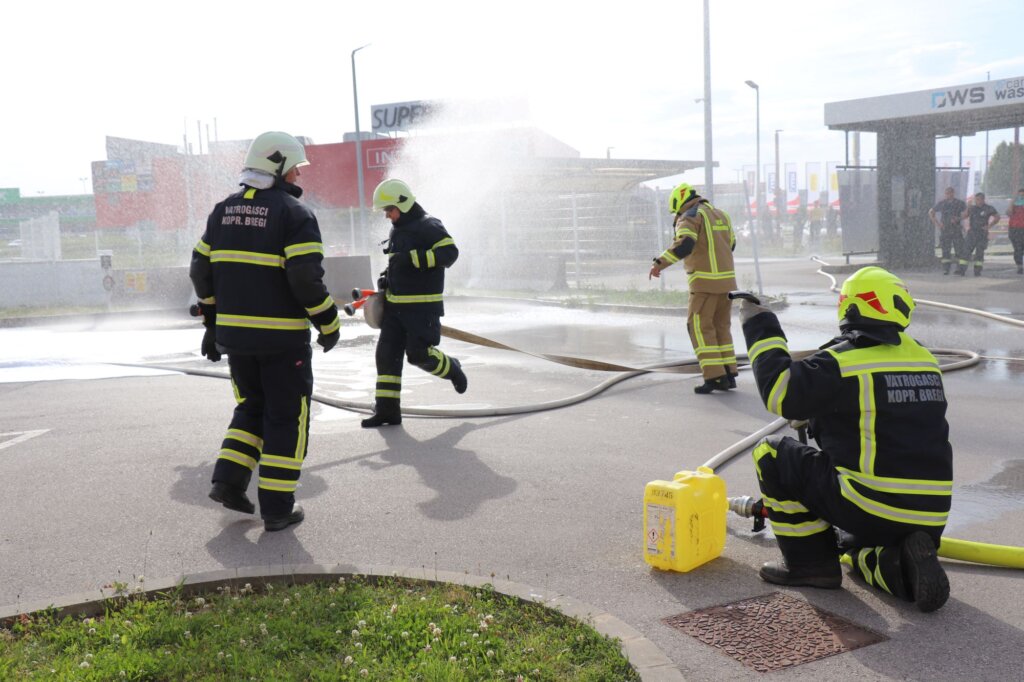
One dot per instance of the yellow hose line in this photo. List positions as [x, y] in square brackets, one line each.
[982, 553]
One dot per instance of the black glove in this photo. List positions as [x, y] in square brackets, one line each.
[328, 341]
[209, 347]
[382, 281]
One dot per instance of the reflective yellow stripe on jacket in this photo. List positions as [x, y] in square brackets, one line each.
[285, 323]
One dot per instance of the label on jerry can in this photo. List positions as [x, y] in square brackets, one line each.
[660, 522]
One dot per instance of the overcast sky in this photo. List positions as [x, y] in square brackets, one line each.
[595, 75]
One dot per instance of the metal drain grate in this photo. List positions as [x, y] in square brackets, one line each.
[774, 631]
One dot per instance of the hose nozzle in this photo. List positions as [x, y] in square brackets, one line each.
[744, 506]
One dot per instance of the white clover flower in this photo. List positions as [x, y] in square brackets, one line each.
[427, 648]
[490, 653]
[331, 605]
[529, 649]
[483, 625]
[500, 672]
[359, 645]
[405, 635]
[394, 607]
[127, 623]
[349, 660]
[200, 601]
[287, 601]
[92, 631]
[241, 642]
[463, 643]
[489, 618]
[88, 657]
[355, 633]
[341, 580]
[220, 654]
[84, 664]
[431, 626]
[476, 635]
[453, 659]
[263, 628]
[188, 634]
[364, 672]
[361, 623]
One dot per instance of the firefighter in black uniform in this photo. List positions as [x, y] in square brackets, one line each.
[258, 273]
[419, 249]
[883, 474]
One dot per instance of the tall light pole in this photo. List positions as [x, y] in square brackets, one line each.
[709, 171]
[359, 147]
[757, 189]
[778, 184]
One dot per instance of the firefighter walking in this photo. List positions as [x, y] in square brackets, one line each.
[419, 249]
[883, 469]
[705, 241]
[258, 273]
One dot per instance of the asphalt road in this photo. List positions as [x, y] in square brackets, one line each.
[105, 470]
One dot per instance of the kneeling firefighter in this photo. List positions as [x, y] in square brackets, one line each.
[419, 249]
[883, 474]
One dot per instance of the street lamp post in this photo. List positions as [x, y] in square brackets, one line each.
[777, 190]
[709, 170]
[359, 148]
[757, 188]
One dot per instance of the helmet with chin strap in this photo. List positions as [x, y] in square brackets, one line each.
[393, 192]
[874, 296]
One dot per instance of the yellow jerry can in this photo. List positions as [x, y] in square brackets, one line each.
[684, 520]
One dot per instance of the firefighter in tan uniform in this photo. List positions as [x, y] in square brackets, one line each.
[704, 241]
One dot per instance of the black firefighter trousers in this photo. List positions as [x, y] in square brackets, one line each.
[802, 496]
[270, 426]
[407, 330]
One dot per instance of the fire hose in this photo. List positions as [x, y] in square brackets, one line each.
[951, 548]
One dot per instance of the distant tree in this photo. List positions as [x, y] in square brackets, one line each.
[999, 175]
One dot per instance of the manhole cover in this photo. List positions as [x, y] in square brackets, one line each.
[773, 631]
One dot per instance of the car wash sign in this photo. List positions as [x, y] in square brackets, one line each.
[400, 116]
[994, 95]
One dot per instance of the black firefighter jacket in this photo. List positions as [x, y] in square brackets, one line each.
[260, 261]
[419, 249]
[877, 409]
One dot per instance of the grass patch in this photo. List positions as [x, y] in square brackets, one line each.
[351, 629]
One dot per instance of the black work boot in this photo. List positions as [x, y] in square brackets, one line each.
[387, 412]
[923, 576]
[232, 498]
[458, 377]
[717, 384]
[962, 270]
[273, 523]
[945, 269]
[731, 378]
[826, 574]
[977, 270]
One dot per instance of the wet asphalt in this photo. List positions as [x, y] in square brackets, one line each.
[105, 476]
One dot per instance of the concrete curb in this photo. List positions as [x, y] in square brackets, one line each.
[647, 659]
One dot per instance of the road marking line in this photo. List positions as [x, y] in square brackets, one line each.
[20, 437]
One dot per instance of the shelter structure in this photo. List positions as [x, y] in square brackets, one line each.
[907, 125]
